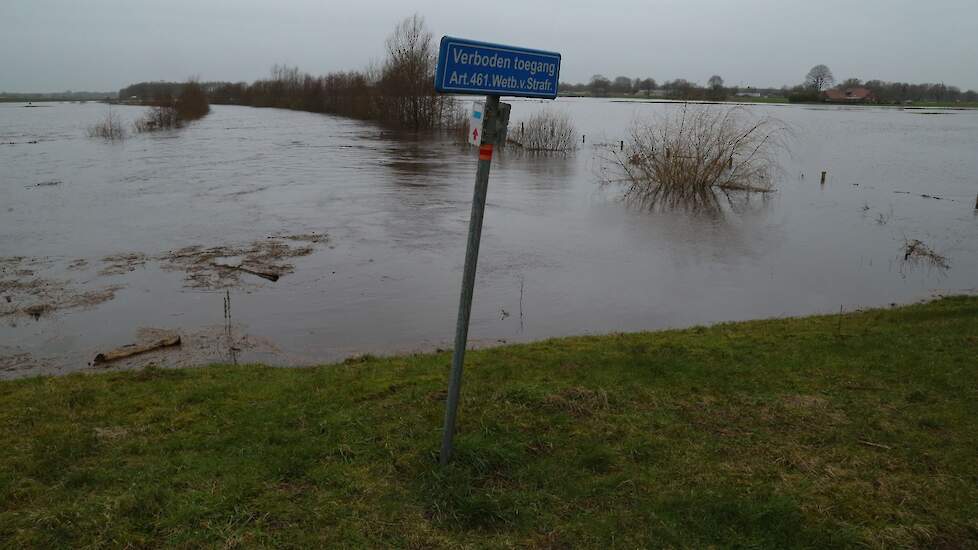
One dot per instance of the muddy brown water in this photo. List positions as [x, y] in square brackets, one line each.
[94, 236]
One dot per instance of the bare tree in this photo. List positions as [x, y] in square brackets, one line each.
[599, 85]
[648, 85]
[819, 78]
[683, 89]
[407, 92]
[715, 89]
[621, 85]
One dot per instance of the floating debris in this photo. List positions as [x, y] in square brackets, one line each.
[270, 276]
[220, 267]
[915, 251]
[50, 183]
[136, 349]
[119, 264]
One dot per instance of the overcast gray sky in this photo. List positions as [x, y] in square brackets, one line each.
[102, 45]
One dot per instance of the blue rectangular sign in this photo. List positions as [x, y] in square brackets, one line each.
[470, 67]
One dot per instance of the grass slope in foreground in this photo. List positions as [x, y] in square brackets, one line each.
[821, 431]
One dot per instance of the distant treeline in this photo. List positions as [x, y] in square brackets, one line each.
[881, 91]
[898, 92]
[147, 92]
[810, 90]
[600, 86]
[400, 93]
[54, 96]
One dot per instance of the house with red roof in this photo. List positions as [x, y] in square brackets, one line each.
[849, 95]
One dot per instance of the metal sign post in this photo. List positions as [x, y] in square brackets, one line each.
[470, 67]
[489, 121]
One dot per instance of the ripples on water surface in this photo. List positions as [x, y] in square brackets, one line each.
[396, 211]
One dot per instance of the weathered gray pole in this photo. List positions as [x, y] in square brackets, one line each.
[490, 133]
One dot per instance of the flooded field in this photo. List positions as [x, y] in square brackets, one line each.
[295, 238]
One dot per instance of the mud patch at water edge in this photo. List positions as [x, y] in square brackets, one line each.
[21, 266]
[23, 292]
[78, 265]
[118, 264]
[314, 238]
[201, 347]
[12, 363]
[222, 267]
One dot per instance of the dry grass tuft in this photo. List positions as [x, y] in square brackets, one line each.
[109, 129]
[579, 401]
[546, 131]
[692, 156]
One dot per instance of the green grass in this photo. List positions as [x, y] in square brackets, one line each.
[854, 430]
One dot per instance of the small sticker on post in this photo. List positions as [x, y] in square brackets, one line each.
[485, 151]
[475, 123]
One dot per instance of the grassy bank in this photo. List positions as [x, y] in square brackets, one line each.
[859, 429]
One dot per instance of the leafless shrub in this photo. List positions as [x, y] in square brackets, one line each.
[544, 131]
[161, 117]
[192, 102]
[694, 155]
[109, 129]
[916, 252]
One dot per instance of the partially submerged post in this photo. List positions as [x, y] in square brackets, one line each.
[479, 68]
[823, 177]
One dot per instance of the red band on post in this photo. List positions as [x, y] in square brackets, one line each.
[485, 151]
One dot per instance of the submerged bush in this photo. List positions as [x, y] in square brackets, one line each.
[160, 117]
[692, 156]
[110, 128]
[168, 113]
[544, 131]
